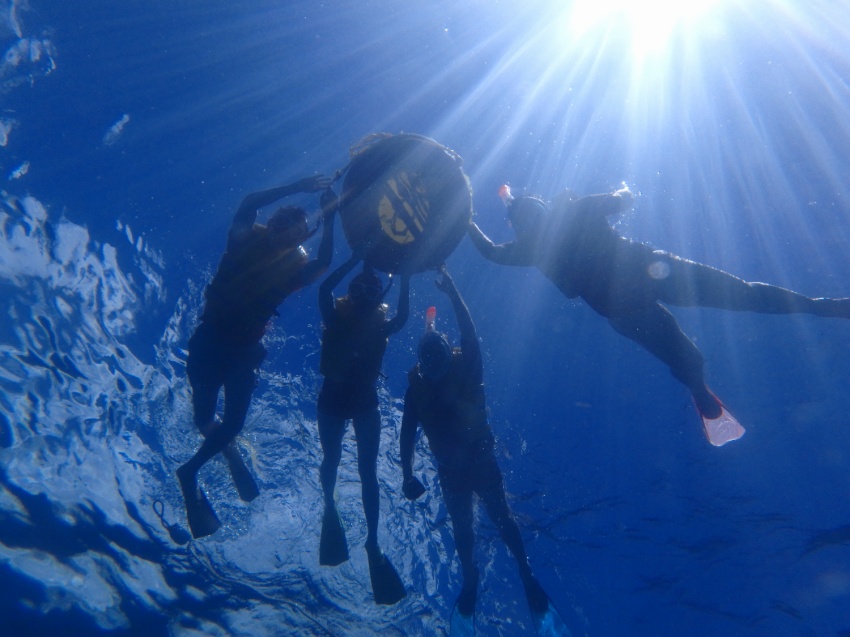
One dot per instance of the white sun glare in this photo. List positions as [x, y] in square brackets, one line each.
[650, 24]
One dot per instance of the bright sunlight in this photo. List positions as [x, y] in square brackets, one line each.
[650, 24]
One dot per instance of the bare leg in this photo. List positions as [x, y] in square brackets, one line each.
[331, 431]
[237, 399]
[367, 430]
[459, 506]
[493, 497]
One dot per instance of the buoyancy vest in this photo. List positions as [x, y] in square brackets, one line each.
[252, 280]
[452, 411]
[353, 345]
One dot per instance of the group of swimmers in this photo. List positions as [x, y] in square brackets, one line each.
[570, 241]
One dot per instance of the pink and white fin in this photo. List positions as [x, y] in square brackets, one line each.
[725, 428]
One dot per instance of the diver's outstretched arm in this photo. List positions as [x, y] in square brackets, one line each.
[246, 214]
[512, 253]
[469, 344]
[605, 205]
[314, 268]
[326, 289]
[403, 312]
[411, 486]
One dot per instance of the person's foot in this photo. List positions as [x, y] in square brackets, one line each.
[199, 513]
[538, 601]
[718, 424]
[708, 406]
[188, 480]
[333, 547]
[387, 587]
[242, 478]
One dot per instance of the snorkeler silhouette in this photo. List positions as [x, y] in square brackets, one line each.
[262, 265]
[446, 395]
[625, 281]
[354, 339]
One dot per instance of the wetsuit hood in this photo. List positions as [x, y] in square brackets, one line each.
[528, 214]
[365, 289]
[435, 355]
[283, 225]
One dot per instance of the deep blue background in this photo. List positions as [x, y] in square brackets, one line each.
[734, 139]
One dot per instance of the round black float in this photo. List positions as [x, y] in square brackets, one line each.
[406, 198]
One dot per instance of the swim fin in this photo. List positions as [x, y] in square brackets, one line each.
[547, 621]
[201, 516]
[461, 625]
[387, 586]
[725, 428]
[333, 547]
[242, 478]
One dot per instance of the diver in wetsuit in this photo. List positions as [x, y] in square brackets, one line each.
[262, 265]
[446, 395]
[626, 282]
[354, 338]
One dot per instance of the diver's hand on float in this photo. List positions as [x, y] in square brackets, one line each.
[329, 203]
[412, 488]
[626, 195]
[313, 184]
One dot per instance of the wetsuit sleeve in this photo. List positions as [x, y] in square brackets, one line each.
[326, 289]
[407, 434]
[399, 320]
[602, 205]
[512, 253]
[243, 222]
[246, 214]
[313, 269]
[469, 344]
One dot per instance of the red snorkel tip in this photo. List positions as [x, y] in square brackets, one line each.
[430, 318]
[505, 194]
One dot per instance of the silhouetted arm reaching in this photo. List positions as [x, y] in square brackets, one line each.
[605, 205]
[326, 289]
[403, 312]
[411, 486]
[314, 268]
[469, 344]
[246, 214]
[512, 253]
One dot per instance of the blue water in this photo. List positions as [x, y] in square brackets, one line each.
[130, 131]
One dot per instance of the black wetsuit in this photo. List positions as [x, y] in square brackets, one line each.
[226, 348]
[354, 340]
[626, 282]
[353, 346]
[256, 274]
[453, 415]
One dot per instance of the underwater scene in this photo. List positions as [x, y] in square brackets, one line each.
[530, 318]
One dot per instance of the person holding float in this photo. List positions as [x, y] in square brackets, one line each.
[355, 331]
[627, 282]
[261, 267]
[404, 207]
[445, 394]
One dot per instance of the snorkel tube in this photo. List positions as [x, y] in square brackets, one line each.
[430, 319]
[505, 195]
